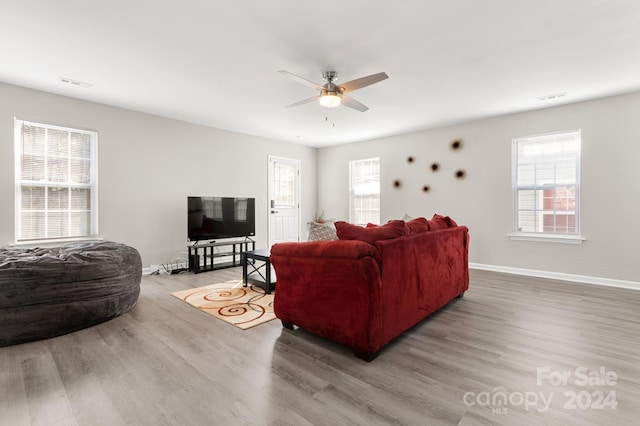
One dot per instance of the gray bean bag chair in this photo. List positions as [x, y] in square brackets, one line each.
[46, 292]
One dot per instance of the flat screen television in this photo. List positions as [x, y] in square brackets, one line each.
[213, 218]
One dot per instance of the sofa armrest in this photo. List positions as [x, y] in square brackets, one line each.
[420, 274]
[331, 288]
[347, 249]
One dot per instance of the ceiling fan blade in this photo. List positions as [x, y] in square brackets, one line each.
[301, 80]
[359, 83]
[304, 101]
[352, 103]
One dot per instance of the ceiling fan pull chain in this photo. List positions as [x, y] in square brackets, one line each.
[326, 118]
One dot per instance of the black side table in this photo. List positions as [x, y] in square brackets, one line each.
[259, 274]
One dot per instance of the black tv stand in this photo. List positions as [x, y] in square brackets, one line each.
[202, 256]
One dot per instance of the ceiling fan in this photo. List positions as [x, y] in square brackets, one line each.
[332, 94]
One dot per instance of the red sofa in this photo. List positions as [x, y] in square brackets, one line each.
[364, 294]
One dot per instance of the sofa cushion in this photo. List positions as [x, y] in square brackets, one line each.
[371, 234]
[441, 222]
[416, 226]
[411, 225]
[324, 231]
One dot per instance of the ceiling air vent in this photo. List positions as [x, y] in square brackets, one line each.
[554, 96]
[75, 82]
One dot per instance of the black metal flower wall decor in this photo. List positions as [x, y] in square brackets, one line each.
[455, 145]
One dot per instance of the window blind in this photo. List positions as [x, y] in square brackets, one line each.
[364, 192]
[56, 182]
[547, 183]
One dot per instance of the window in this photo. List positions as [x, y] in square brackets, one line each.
[56, 182]
[547, 184]
[364, 191]
[284, 183]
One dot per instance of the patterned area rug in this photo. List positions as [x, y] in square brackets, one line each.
[244, 307]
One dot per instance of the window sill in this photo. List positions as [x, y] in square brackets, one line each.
[53, 242]
[547, 238]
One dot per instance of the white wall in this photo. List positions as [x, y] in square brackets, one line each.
[610, 194]
[148, 165]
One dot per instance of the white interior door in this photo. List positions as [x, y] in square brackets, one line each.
[284, 200]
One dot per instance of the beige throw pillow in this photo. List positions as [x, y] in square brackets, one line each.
[324, 231]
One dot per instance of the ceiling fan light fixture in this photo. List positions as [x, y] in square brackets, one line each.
[330, 100]
[332, 95]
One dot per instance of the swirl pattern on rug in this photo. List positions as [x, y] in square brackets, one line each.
[244, 307]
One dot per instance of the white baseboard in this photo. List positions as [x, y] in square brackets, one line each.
[149, 270]
[584, 279]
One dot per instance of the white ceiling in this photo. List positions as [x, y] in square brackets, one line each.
[216, 62]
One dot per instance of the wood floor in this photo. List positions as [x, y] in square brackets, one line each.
[473, 363]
